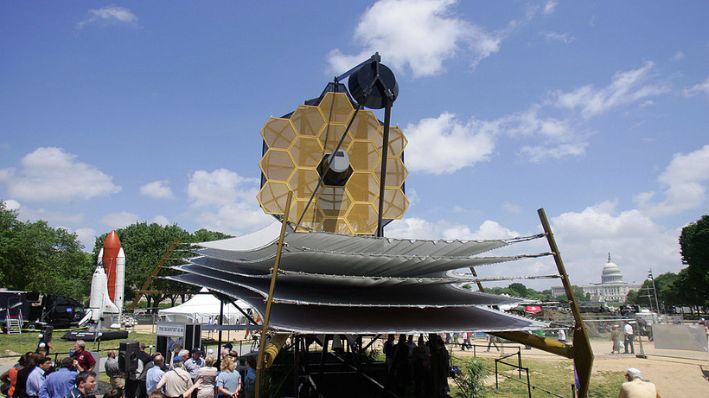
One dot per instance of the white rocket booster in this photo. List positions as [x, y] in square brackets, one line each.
[100, 303]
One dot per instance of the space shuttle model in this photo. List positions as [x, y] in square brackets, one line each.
[107, 284]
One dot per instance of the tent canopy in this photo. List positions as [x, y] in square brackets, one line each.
[204, 308]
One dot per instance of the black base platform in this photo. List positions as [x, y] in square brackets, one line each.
[96, 335]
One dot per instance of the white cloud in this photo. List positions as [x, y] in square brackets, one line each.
[635, 242]
[120, 219]
[418, 35]
[161, 220]
[11, 204]
[157, 190]
[565, 38]
[444, 145]
[51, 174]
[550, 6]
[109, 15]
[87, 237]
[626, 88]
[538, 153]
[584, 237]
[699, 88]
[685, 179]
[225, 201]
[418, 228]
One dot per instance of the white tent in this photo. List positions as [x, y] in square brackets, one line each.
[204, 308]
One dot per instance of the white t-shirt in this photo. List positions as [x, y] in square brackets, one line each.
[628, 329]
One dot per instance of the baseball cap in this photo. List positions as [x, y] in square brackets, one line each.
[177, 359]
[634, 373]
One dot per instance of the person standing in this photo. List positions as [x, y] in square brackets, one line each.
[629, 336]
[636, 387]
[23, 374]
[193, 364]
[616, 338]
[144, 358]
[84, 385]
[154, 374]
[250, 377]
[422, 367]
[492, 341]
[177, 382]
[10, 376]
[113, 371]
[86, 361]
[228, 381]
[59, 383]
[38, 376]
[207, 374]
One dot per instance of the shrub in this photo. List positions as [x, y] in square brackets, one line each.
[471, 378]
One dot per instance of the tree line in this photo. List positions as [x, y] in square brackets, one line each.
[690, 286]
[37, 257]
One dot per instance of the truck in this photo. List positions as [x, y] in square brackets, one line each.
[23, 309]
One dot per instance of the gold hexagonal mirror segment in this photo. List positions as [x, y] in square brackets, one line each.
[336, 108]
[277, 165]
[362, 218]
[395, 203]
[306, 151]
[303, 182]
[396, 172]
[364, 156]
[308, 120]
[337, 225]
[311, 221]
[363, 187]
[278, 133]
[366, 127]
[273, 197]
[332, 202]
[397, 141]
[330, 137]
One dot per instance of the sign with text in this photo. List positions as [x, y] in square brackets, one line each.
[171, 329]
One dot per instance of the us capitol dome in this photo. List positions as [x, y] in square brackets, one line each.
[612, 287]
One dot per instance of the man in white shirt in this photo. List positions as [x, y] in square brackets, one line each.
[629, 335]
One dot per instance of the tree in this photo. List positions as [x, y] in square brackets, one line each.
[37, 257]
[519, 289]
[693, 281]
[144, 245]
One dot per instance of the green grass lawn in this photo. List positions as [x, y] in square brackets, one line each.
[553, 376]
[16, 344]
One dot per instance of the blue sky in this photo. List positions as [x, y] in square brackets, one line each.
[113, 112]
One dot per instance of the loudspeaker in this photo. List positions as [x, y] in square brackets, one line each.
[193, 336]
[128, 357]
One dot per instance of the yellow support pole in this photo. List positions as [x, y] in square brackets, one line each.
[583, 354]
[269, 299]
[580, 351]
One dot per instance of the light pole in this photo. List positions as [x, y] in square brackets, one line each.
[654, 290]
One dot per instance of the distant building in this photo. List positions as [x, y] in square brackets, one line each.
[611, 289]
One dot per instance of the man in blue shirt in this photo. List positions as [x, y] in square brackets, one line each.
[154, 374]
[37, 377]
[195, 363]
[59, 383]
[250, 378]
[84, 385]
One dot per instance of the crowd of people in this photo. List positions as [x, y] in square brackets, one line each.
[34, 375]
[189, 374]
[421, 367]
